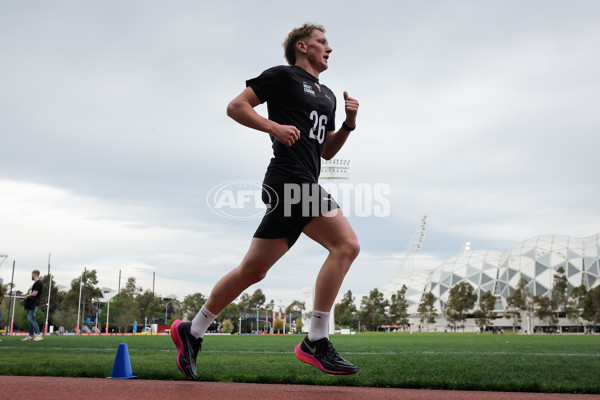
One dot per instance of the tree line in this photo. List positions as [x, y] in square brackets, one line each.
[134, 303]
[580, 306]
[375, 311]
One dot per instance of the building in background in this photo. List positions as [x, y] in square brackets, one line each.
[536, 259]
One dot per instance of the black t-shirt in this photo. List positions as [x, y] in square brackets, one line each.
[37, 285]
[295, 97]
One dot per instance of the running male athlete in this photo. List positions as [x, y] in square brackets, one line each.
[301, 125]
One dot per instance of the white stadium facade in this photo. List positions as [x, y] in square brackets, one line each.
[536, 260]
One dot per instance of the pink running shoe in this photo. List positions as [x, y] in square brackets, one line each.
[188, 348]
[323, 355]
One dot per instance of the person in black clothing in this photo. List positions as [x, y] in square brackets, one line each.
[32, 302]
[301, 125]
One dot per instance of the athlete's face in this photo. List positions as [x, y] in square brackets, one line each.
[317, 50]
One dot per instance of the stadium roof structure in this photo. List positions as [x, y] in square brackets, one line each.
[536, 260]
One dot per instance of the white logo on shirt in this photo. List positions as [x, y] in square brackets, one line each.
[308, 89]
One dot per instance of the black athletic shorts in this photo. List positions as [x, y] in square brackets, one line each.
[290, 207]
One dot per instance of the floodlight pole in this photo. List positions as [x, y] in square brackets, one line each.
[49, 291]
[153, 279]
[257, 320]
[282, 320]
[169, 299]
[118, 303]
[11, 296]
[12, 320]
[79, 305]
[107, 314]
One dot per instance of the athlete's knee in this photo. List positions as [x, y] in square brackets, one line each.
[259, 276]
[353, 249]
[252, 274]
[349, 250]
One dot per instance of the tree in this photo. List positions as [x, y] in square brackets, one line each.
[295, 307]
[575, 304]
[244, 302]
[146, 303]
[485, 314]
[23, 321]
[460, 300]
[591, 306]
[154, 310]
[55, 299]
[227, 326]
[558, 293]
[427, 310]
[130, 288]
[544, 309]
[522, 300]
[123, 311]
[399, 307]
[171, 307]
[67, 315]
[89, 290]
[372, 310]
[278, 325]
[345, 311]
[257, 300]
[514, 305]
[251, 303]
[54, 295]
[192, 303]
[231, 312]
[270, 305]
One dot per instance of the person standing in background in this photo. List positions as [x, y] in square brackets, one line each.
[31, 304]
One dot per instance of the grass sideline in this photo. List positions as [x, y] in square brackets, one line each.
[544, 363]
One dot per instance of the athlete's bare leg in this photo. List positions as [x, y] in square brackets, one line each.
[332, 231]
[261, 256]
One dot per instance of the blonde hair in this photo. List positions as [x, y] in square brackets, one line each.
[298, 34]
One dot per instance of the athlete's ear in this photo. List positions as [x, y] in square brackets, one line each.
[301, 46]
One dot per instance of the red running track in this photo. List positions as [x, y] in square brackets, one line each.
[52, 388]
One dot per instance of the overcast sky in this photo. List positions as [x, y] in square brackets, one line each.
[481, 115]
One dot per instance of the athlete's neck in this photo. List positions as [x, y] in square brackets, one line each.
[308, 68]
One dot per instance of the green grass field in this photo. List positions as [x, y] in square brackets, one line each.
[568, 364]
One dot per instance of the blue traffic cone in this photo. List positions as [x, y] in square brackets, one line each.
[122, 366]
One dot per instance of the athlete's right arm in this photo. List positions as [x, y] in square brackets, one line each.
[241, 109]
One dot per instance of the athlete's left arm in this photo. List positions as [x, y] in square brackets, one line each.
[335, 140]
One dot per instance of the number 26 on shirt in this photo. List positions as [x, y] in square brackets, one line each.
[319, 126]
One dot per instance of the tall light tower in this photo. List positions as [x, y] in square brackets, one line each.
[415, 244]
[407, 259]
[3, 258]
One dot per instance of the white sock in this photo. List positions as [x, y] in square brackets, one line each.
[201, 322]
[319, 326]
